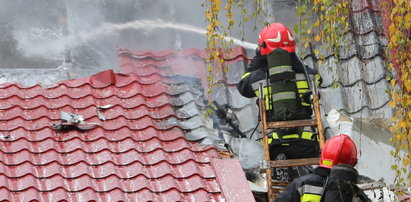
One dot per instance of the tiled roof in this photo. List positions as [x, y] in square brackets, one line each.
[361, 73]
[133, 148]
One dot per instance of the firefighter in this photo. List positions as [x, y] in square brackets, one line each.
[286, 90]
[334, 180]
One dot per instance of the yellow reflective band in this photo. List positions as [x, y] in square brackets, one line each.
[267, 100]
[306, 135]
[304, 104]
[291, 136]
[267, 103]
[245, 74]
[327, 163]
[303, 88]
[310, 198]
[310, 193]
[302, 84]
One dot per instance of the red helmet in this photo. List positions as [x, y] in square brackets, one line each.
[276, 35]
[339, 149]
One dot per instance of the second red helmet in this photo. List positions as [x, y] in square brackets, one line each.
[276, 35]
[339, 149]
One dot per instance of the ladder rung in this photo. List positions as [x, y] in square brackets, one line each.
[294, 162]
[292, 123]
[277, 184]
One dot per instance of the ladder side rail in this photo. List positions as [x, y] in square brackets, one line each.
[263, 118]
[316, 104]
[316, 101]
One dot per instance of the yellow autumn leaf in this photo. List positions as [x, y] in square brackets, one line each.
[394, 39]
[227, 6]
[391, 103]
[317, 38]
[317, 24]
[402, 124]
[208, 15]
[392, 29]
[405, 162]
[393, 82]
[209, 28]
[309, 31]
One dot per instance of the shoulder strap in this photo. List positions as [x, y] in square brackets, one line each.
[325, 189]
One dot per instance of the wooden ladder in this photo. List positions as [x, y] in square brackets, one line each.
[275, 188]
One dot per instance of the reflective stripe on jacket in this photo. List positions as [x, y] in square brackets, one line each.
[266, 91]
[303, 87]
[307, 188]
[310, 193]
[305, 134]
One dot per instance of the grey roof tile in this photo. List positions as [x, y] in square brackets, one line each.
[374, 70]
[235, 71]
[366, 21]
[219, 93]
[195, 122]
[188, 110]
[248, 117]
[184, 98]
[236, 100]
[198, 133]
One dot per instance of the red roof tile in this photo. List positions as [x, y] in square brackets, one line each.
[132, 155]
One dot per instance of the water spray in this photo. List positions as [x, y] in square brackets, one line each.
[150, 25]
[56, 45]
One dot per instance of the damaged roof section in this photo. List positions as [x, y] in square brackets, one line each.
[362, 89]
[190, 66]
[136, 149]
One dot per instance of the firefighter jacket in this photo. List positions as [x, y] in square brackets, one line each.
[306, 188]
[258, 74]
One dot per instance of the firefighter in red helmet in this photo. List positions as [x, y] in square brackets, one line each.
[334, 180]
[287, 93]
[276, 35]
